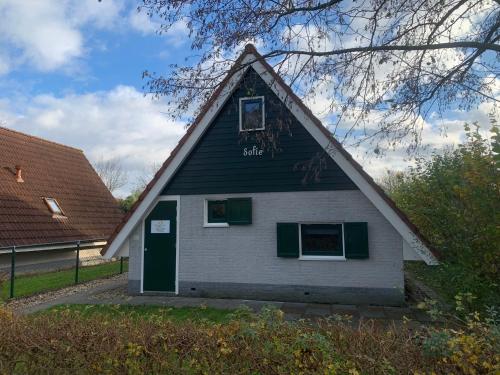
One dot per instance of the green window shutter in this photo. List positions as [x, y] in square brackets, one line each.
[356, 240]
[288, 240]
[239, 211]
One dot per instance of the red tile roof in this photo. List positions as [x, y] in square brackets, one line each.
[54, 171]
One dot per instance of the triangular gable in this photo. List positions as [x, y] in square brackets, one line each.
[226, 161]
[341, 157]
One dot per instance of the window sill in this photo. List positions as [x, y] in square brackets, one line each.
[59, 216]
[253, 130]
[215, 225]
[322, 257]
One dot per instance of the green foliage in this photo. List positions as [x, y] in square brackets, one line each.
[454, 199]
[26, 285]
[436, 344]
[127, 203]
[472, 346]
[450, 279]
[98, 340]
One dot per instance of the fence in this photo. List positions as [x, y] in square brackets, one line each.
[76, 246]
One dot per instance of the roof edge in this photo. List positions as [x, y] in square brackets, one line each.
[36, 138]
[57, 243]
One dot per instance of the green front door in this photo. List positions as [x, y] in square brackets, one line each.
[160, 231]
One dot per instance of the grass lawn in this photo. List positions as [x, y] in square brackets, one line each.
[26, 285]
[145, 312]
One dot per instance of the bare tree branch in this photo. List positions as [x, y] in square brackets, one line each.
[454, 45]
[111, 173]
[398, 61]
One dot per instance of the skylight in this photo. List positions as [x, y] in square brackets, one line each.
[53, 206]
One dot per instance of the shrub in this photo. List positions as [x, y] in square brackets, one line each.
[127, 203]
[454, 199]
[473, 345]
[67, 342]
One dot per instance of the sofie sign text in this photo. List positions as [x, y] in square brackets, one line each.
[254, 151]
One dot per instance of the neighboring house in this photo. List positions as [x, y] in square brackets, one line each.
[226, 216]
[50, 197]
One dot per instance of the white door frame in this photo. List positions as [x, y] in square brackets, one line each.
[173, 198]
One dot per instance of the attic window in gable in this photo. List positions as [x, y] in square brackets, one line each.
[252, 113]
[53, 206]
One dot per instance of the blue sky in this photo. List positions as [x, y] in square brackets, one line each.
[96, 56]
[70, 71]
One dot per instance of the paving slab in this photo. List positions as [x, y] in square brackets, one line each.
[317, 310]
[372, 312]
[351, 310]
[397, 313]
[294, 308]
[256, 305]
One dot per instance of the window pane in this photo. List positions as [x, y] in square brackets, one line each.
[216, 211]
[53, 206]
[251, 114]
[322, 239]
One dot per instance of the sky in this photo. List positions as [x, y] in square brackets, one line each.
[71, 72]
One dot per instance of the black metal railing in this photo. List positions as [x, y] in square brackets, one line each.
[77, 245]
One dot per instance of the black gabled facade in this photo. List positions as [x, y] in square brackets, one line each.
[226, 160]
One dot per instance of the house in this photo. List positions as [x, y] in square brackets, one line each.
[259, 201]
[50, 198]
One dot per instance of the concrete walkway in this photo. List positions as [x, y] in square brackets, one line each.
[113, 291]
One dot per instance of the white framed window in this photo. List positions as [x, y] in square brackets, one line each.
[223, 212]
[53, 206]
[215, 213]
[321, 241]
[252, 113]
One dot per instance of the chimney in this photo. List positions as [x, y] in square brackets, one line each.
[19, 177]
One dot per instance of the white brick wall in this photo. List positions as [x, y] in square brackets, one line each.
[135, 250]
[247, 254]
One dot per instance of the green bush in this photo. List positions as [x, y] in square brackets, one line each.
[127, 203]
[472, 345]
[451, 279]
[69, 342]
[454, 199]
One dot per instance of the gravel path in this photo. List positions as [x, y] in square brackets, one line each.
[26, 305]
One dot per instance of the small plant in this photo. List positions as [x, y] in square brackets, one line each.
[472, 346]
[436, 344]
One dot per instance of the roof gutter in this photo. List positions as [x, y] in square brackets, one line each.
[97, 243]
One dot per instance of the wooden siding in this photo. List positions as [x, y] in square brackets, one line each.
[217, 164]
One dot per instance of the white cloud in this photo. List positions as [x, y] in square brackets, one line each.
[4, 63]
[40, 31]
[119, 123]
[437, 134]
[104, 14]
[52, 34]
[141, 22]
[176, 35]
